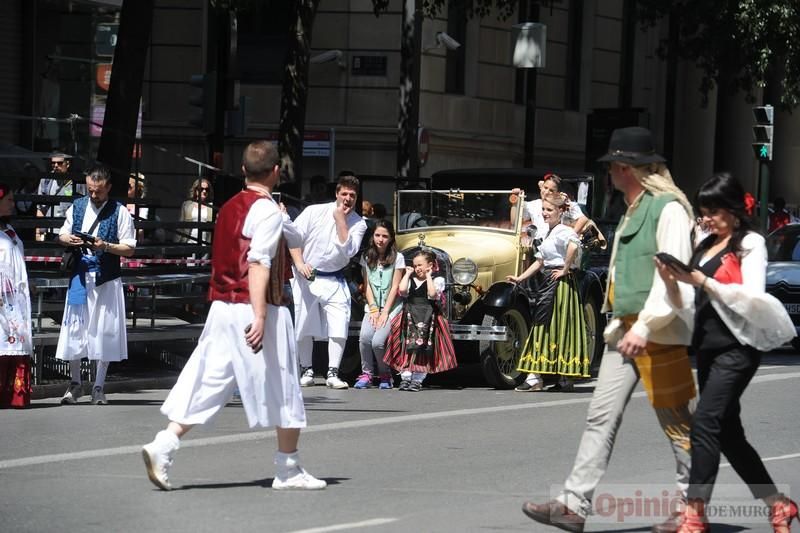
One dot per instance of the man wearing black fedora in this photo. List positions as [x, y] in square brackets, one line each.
[647, 336]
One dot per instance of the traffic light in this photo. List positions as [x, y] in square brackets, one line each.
[203, 97]
[762, 132]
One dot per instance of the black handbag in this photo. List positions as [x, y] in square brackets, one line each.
[71, 256]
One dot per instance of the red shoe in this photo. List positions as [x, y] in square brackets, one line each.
[781, 515]
[692, 523]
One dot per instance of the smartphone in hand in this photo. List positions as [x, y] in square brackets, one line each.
[256, 349]
[669, 259]
[87, 238]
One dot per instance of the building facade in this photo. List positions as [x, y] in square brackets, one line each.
[472, 100]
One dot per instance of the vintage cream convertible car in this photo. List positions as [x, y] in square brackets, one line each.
[477, 245]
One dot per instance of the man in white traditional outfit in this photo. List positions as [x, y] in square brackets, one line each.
[331, 234]
[94, 314]
[248, 339]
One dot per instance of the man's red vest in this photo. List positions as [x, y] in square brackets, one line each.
[229, 266]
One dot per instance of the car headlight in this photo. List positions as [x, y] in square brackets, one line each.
[465, 271]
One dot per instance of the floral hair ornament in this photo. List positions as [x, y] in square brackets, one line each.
[749, 204]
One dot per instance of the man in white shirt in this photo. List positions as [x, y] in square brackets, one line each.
[248, 340]
[647, 336]
[94, 323]
[330, 234]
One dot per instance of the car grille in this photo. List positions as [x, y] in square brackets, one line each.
[789, 296]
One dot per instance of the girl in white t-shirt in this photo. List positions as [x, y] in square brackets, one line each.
[571, 213]
[382, 268]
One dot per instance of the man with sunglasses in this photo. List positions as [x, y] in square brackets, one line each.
[59, 184]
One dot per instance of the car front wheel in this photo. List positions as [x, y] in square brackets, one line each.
[595, 324]
[500, 359]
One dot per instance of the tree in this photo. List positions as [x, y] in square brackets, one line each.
[125, 91]
[750, 44]
[295, 88]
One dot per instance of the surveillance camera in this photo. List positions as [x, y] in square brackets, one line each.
[324, 57]
[445, 40]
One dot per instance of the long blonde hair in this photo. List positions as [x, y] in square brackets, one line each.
[657, 179]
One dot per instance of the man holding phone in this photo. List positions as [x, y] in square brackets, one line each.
[647, 336]
[248, 339]
[94, 315]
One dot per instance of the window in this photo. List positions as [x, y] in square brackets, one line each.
[456, 59]
[264, 29]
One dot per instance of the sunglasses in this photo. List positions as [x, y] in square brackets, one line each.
[206, 189]
[57, 163]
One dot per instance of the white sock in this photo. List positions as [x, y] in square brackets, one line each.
[168, 439]
[419, 376]
[305, 349]
[335, 351]
[533, 379]
[405, 375]
[102, 370]
[75, 370]
[287, 464]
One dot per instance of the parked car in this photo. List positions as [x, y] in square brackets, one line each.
[477, 245]
[783, 271]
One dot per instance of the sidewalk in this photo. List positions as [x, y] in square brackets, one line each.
[136, 373]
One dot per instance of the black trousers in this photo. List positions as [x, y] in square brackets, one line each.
[717, 426]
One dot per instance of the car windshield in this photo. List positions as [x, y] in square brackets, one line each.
[784, 244]
[425, 209]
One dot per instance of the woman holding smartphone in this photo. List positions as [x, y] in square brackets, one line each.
[735, 322]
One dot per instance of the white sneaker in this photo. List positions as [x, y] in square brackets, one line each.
[74, 392]
[98, 397]
[300, 481]
[158, 456]
[307, 377]
[333, 382]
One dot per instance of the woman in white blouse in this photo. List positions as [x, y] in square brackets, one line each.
[735, 321]
[197, 209]
[557, 343]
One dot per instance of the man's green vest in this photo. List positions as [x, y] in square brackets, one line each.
[633, 266]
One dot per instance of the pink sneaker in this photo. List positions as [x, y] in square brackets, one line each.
[364, 381]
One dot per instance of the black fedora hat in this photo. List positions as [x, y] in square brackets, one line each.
[633, 146]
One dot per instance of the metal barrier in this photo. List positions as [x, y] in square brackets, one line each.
[153, 330]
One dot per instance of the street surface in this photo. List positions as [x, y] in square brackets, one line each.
[444, 459]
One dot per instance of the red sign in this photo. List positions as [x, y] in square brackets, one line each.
[103, 75]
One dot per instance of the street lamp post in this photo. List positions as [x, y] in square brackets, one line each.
[530, 45]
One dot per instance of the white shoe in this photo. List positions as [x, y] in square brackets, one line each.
[333, 382]
[98, 397]
[307, 378]
[300, 481]
[158, 456]
[74, 392]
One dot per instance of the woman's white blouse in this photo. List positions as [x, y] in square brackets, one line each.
[754, 317]
[553, 249]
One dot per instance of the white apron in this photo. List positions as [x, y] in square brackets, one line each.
[96, 330]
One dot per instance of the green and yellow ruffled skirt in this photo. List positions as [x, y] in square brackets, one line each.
[559, 347]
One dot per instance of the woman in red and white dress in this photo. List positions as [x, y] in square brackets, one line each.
[16, 345]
